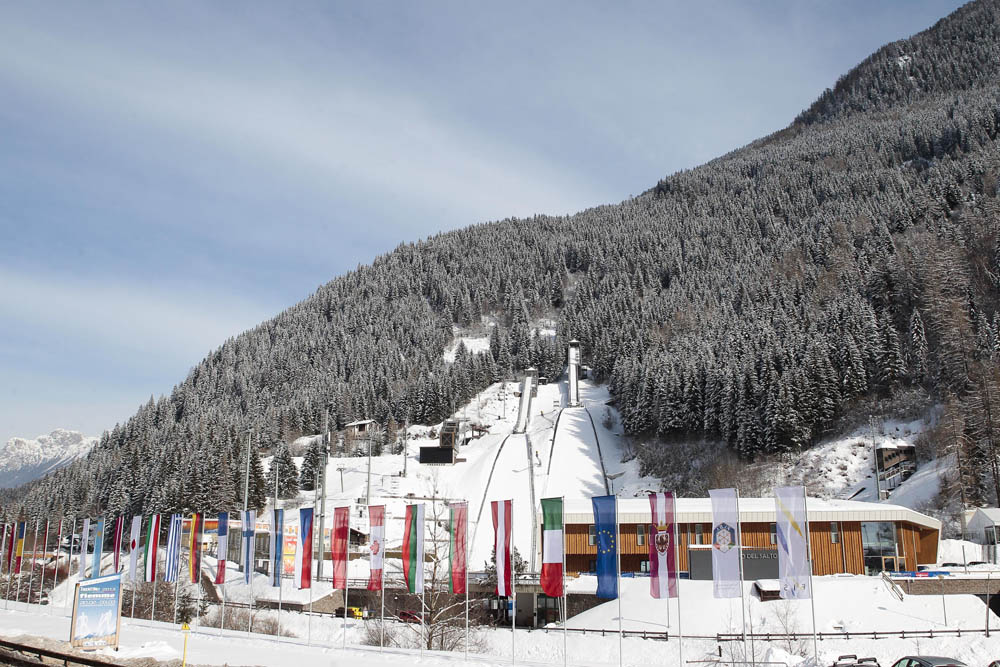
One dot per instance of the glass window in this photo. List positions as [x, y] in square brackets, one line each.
[644, 566]
[991, 535]
[640, 534]
[699, 536]
[878, 542]
[774, 533]
[592, 535]
[834, 532]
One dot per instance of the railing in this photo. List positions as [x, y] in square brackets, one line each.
[778, 636]
[66, 658]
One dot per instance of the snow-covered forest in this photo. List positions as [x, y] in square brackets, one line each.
[754, 300]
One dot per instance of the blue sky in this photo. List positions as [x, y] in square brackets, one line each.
[173, 173]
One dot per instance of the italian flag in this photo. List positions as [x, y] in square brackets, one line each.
[552, 547]
[457, 551]
[152, 543]
[413, 548]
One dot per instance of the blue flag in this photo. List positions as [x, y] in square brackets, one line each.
[277, 554]
[95, 565]
[606, 525]
[248, 519]
[173, 548]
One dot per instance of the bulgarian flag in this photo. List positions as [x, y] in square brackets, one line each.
[413, 548]
[341, 539]
[152, 543]
[376, 517]
[552, 547]
[457, 547]
[194, 546]
[502, 510]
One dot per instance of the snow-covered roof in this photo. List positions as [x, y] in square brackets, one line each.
[894, 444]
[699, 510]
[360, 422]
[991, 513]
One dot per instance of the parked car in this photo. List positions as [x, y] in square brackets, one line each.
[409, 616]
[928, 661]
[852, 660]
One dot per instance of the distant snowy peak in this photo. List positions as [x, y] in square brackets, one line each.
[23, 460]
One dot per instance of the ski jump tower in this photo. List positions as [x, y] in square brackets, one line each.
[574, 373]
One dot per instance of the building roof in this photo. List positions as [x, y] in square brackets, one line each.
[360, 422]
[991, 513]
[699, 510]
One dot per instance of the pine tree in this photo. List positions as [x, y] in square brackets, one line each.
[287, 473]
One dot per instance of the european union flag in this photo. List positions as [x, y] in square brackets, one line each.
[606, 525]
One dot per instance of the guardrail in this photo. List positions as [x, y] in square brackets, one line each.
[780, 636]
[66, 658]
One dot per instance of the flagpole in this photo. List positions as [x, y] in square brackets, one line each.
[135, 569]
[513, 580]
[55, 573]
[69, 566]
[347, 573]
[739, 557]
[45, 549]
[812, 588]
[156, 561]
[677, 574]
[225, 557]
[250, 552]
[465, 570]
[3, 550]
[565, 618]
[618, 574]
[177, 565]
[381, 620]
[34, 550]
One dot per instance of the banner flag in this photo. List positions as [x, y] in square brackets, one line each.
[173, 563]
[606, 525]
[502, 511]
[277, 550]
[725, 544]
[150, 550]
[22, 529]
[248, 519]
[194, 546]
[413, 548]
[662, 551]
[8, 545]
[339, 546]
[457, 550]
[133, 549]
[552, 547]
[95, 566]
[793, 550]
[376, 519]
[222, 542]
[84, 543]
[303, 551]
[119, 534]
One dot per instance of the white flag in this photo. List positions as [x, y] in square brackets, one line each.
[793, 550]
[725, 544]
[84, 538]
[133, 549]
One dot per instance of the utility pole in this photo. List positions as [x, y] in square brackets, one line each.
[246, 494]
[322, 501]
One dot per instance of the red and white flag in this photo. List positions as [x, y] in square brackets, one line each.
[150, 550]
[376, 518]
[133, 549]
[119, 534]
[501, 544]
[341, 533]
[662, 550]
[222, 547]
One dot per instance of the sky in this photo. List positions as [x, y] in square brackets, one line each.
[172, 174]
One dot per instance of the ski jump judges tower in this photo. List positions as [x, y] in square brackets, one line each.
[574, 373]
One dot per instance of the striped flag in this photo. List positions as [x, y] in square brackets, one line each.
[303, 551]
[552, 547]
[249, 519]
[223, 542]
[133, 549]
[119, 534]
[152, 545]
[194, 546]
[95, 564]
[502, 510]
[376, 518]
[457, 551]
[662, 550]
[413, 548]
[173, 563]
[22, 528]
[277, 551]
[339, 545]
[84, 543]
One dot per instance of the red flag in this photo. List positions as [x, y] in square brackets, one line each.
[376, 546]
[662, 550]
[501, 544]
[119, 529]
[457, 547]
[194, 563]
[341, 533]
[304, 549]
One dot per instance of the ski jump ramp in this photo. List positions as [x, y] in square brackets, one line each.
[576, 458]
[524, 409]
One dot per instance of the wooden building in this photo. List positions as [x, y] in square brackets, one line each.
[846, 537]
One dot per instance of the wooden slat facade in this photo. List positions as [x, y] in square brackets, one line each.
[836, 546]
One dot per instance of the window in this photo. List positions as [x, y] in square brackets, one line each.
[774, 533]
[699, 536]
[640, 534]
[592, 535]
[991, 536]
[593, 565]
[834, 532]
[644, 566]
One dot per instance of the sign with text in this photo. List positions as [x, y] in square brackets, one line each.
[96, 621]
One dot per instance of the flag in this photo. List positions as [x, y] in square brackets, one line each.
[413, 548]
[152, 544]
[606, 525]
[376, 520]
[95, 564]
[8, 541]
[725, 544]
[662, 550]
[502, 510]
[194, 546]
[222, 542]
[304, 549]
[277, 550]
[248, 519]
[84, 542]
[22, 528]
[133, 549]
[341, 538]
[173, 563]
[552, 547]
[457, 551]
[791, 524]
[119, 533]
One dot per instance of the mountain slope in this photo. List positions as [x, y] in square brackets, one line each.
[23, 460]
[754, 300]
